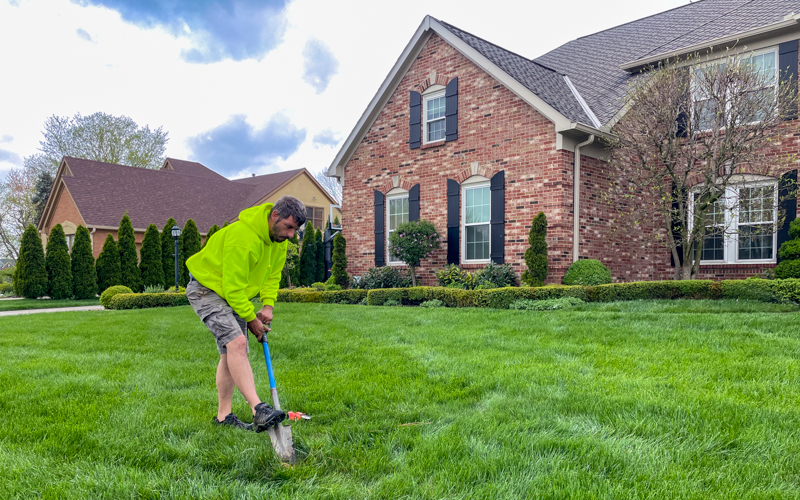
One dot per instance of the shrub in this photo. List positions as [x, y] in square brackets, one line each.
[307, 254]
[168, 252]
[128, 260]
[432, 303]
[502, 298]
[147, 300]
[57, 262]
[6, 288]
[308, 295]
[413, 241]
[320, 287]
[331, 287]
[181, 289]
[455, 277]
[789, 253]
[190, 245]
[291, 269]
[213, 229]
[150, 265]
[649, 290]
[339, 258]
[788, 269]
[155, 289]
[392, 303]
[536, 255]
[84, 276]
[107, 265]
[546, 305]
[587, 272]
[110, 292]
[30, 274]
[495, 276]
[384, 277]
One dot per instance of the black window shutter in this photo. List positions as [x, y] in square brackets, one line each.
[787, 186]
[415, 119]
[451, 110]
[413, 203]
[453, 211]
[497, 238]
[676, 233]
[787, 62]
[683, 115]
[380, 222]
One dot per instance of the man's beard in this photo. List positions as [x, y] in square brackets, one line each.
[275, 237]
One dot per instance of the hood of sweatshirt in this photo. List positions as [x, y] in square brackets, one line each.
[257, 219]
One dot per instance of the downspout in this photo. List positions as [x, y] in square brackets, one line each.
[576, 197]
[91, 237]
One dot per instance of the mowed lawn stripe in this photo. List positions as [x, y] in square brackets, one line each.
[633, 400]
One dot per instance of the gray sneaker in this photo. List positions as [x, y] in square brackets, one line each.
[233, 421]
[266, 417]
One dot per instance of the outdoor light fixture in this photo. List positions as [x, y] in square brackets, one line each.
[176, 233]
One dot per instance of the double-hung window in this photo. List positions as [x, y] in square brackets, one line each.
[475, 219]
[396, 214]
[433, 117]
[314, 216]
[740, 225]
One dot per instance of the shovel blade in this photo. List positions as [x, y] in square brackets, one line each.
[282, 441]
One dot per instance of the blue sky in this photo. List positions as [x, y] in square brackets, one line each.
[243, 86]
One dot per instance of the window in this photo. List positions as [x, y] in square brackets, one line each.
[70, 241]
[433, 119]
[314, 216]
[475, 219]
[765, 65]
[396, 214]
[740, 226]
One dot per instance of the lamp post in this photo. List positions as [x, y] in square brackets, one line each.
[176, 233]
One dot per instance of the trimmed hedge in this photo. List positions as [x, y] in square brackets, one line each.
[110, 292]
[501, 298]
[147, 300]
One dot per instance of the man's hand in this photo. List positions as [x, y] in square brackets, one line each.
[265, 315]
[257, 328]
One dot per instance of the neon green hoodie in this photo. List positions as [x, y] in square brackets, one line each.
[242, 262]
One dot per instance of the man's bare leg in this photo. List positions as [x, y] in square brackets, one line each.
[239, 373]
[225, 387]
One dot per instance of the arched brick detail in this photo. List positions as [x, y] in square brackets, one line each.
[394, 182]
[431, 80]
[474, 170]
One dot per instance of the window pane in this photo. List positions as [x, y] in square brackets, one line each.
[756, 204]
[477, 242]
[398, 212]
[706, 114]
[713, 247]
[478, 205]
[755, 242]
[435, 108]
[764, 64]
[436, 131]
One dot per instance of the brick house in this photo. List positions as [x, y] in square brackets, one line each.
[96, 195]
[478, 140]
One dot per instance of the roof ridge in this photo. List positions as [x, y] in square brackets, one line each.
[448, 25]
[158, 170]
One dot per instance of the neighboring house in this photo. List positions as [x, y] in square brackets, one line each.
[96, 195]
[7, 264]
[479, 140]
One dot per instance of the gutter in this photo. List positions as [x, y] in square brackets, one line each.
[576, 199]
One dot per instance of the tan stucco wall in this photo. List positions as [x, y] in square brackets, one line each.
[307, 191]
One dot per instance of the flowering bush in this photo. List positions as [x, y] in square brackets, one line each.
[413, 241]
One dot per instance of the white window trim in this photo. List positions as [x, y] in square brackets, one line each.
[425, 99]
[476, 181]
[394, 194]
[755, 53]
[731, 241]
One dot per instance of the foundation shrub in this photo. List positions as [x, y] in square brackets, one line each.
[147, 300]
[110, 292]
[587, 272]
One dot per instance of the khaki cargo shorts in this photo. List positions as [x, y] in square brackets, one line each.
[218, 316]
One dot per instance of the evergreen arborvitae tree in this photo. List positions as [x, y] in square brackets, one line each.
[108, 268]
[168, 253]
[128, 260]
[319, 273]
[190, 245]
[59, 269]
[30, 275]
[150, 264]
[339, 258]
[536, 255]
[307, 257]
[84, 276]
[211, 231]
[289, 275]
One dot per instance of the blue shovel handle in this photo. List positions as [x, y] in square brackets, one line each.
[268, 360]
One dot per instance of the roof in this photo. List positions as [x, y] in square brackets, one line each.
[593, 62]
[103, 192]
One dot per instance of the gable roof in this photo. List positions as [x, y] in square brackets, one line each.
[104, 191]
[594, 63]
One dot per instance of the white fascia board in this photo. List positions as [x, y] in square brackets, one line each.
[430, 25]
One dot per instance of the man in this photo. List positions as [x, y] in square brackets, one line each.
[242, 260]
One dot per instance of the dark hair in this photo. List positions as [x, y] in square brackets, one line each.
[289, 206]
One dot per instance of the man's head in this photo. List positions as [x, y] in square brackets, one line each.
[287, 216]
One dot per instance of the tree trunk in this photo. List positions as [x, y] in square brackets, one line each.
[413, 270]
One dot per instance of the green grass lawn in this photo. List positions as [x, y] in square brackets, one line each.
[21, 304]
[614, 401]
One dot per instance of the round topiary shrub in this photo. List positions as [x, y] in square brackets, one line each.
[788, 269]
[108, 294]
[588, 272]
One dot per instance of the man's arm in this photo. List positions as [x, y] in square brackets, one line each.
[269, 289]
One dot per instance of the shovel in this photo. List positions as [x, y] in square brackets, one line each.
[280, 435]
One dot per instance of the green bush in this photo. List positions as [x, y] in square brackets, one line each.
[150, 265]
[190, 245]
[339, 258]
[587, 272]
[6, 288]
[181, 289]
[332, 287]
[495, 276]
[110, 292]
[413, 241]
[59, 267]
[147, 300]
[502, 298]
[308, 295]
[168, 252]
[384, 277]
[652, 290]
[30, 274]
[788, 269]
[790, 250]
[391, 303]
[84, 276]
[307, 257]
[320, 287]
[155, 289]
[432, 303]
[213, 229]
[455, 277]
[536, 255]
[789, 253]
[546, 305]
[108, 268]
[128, 259]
